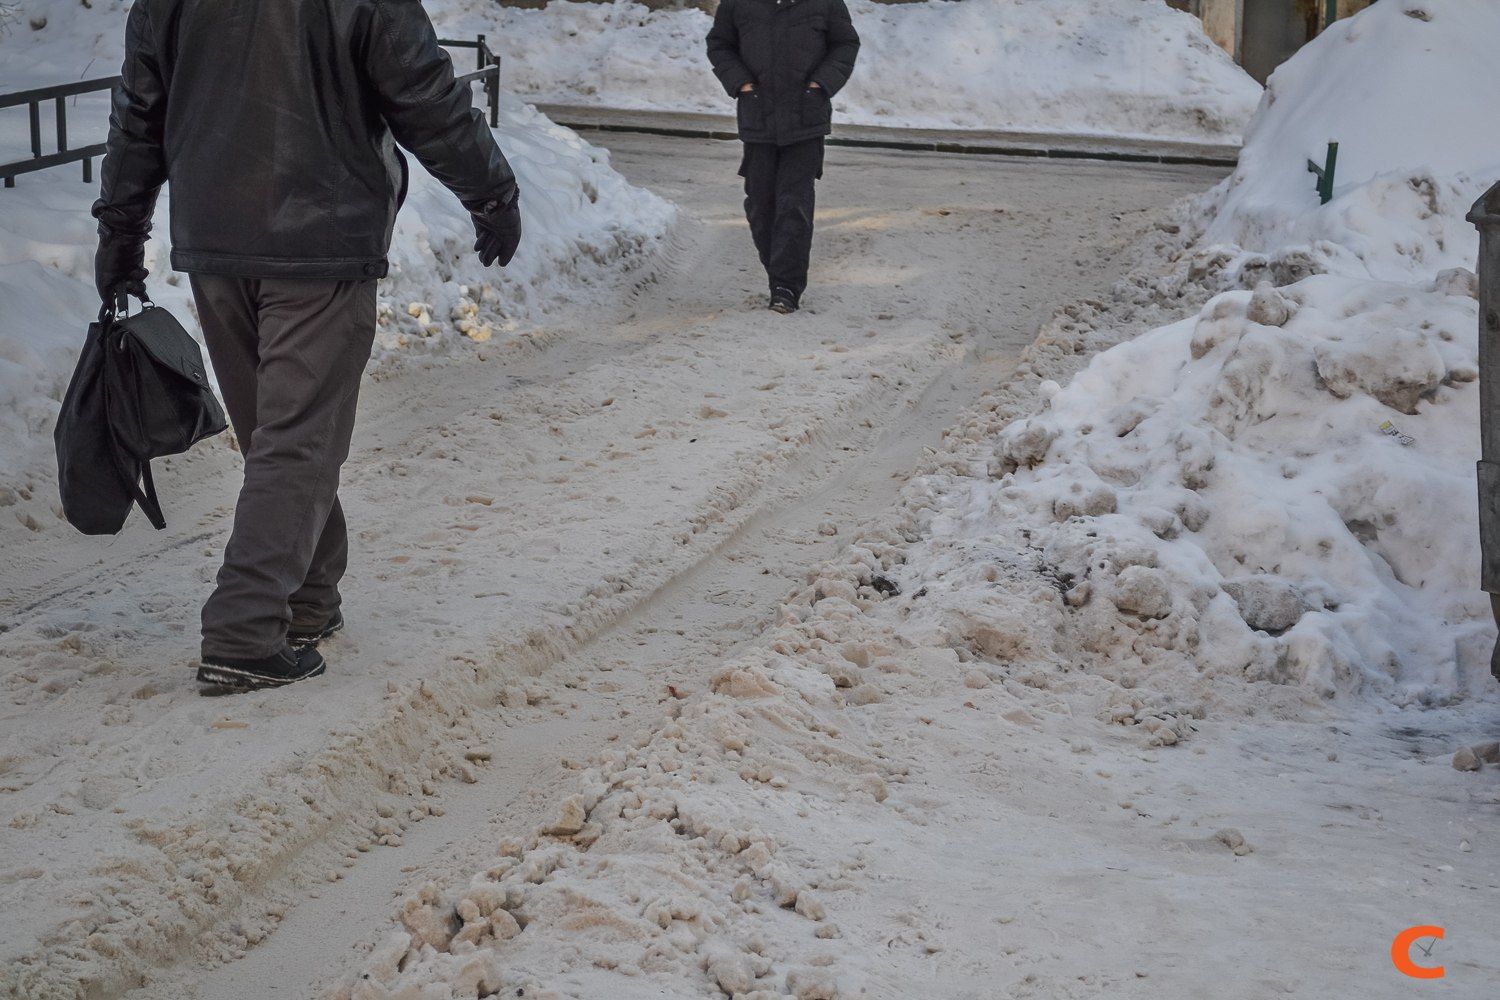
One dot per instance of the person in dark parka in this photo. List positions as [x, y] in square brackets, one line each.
[275, 122]
[783, 61]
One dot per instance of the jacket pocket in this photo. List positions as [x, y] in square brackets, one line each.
[750, 113]
[817, 108]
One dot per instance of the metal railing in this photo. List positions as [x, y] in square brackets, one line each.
[33, 100]
[487, 73]
[1325, 173]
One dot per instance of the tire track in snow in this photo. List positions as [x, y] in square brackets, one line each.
[403, 727]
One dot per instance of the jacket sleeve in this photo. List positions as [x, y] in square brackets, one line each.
[843, 46]
[135, 166]
[428, 111]
[724, 50]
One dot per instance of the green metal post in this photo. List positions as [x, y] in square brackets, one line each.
[1325, 173]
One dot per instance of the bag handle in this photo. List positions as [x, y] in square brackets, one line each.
[119, 307]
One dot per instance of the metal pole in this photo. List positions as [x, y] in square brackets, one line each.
[1486, 217]
[35, 109]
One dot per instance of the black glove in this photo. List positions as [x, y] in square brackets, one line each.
[120, 265]
[497, 224]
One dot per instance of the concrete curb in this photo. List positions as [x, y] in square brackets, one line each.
[982, 144]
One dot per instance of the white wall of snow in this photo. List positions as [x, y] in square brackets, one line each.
[1408, 89]
[1123, 67]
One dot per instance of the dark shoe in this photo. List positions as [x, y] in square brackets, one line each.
[298, 638]
[783, 301]
[281, 668]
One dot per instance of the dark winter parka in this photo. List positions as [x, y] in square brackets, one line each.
[273, 120]
[781, 46]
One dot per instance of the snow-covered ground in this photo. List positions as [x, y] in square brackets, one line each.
[510, 505]
[703, 714]
[1114, 67]
[583, 223]
[1151, 692]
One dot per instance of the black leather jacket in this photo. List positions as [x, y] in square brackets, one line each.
[781, 46]
[272, 120]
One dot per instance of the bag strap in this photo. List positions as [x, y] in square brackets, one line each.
[150, 506]
[145, 498]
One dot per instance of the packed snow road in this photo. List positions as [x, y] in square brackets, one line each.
[552, 538]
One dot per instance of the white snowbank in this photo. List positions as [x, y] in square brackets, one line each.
[1406, 89]
[582, 222]
[1122, 67]
[1282, 487]
[581, 219]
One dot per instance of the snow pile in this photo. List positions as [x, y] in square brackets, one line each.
[715, 852]
[582, 220]
[1122, 67]
[1282, 487]
[1405, 89]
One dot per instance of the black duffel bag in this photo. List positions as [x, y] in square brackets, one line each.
[140, 391]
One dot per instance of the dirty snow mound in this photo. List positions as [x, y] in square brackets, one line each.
[1119, 67]
[582, 222]
[721, 851]
[1281, 487]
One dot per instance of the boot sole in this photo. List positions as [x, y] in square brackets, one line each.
[304, 640]
[249, 681]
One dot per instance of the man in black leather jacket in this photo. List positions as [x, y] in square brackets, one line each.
[275, 122]
[783, 61]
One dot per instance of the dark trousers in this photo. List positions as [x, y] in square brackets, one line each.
[288, 354]
[779, 195]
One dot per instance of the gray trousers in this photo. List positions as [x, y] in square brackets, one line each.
[288, 353]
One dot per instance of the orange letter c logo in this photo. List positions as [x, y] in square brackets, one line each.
[1401, 952]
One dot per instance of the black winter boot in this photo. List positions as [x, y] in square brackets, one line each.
[281, 668]
[311, 637]
[783, 301]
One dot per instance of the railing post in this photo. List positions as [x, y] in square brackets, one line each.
[62, 126]
[480, 50]
[1325, 173]
[1486, 217]
[35, 111]
[491, 82]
